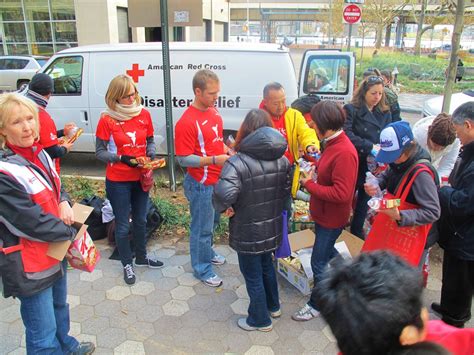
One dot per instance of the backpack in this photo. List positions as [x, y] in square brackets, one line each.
[96, 228]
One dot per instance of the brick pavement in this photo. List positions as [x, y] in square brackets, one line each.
[169, 311]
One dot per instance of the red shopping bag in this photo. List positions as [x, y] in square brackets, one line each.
[83, 254]
[406, 242]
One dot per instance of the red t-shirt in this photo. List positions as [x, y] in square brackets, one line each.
[200, 133]
[48, 133]
[129, 138]
[457, 341]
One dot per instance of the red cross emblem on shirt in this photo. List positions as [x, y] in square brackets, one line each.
[135, 73]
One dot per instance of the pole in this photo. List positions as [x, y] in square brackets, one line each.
[248, 21]
[167, 89]
[350, 34]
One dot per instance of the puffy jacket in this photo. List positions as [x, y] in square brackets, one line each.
[363, 128]
[255, 183]
[456, 225]
[29, 201]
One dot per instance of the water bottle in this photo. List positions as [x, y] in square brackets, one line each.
[375, 201]
[230, 142]
[372, 165]
[305, 167]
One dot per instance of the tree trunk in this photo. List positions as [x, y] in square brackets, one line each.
[388, 31]
[453, 61]
[378, 36]
[419, 30]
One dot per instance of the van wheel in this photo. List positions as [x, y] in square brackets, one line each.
[20, 83]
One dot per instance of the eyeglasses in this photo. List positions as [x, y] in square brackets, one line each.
[374, 79]
[131, 96]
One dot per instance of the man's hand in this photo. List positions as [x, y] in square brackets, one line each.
[393, 213]
[229, 212]
[304, 178]
[66, 214]
[221, 159]
[68, 127]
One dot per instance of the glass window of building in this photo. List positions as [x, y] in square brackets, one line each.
[37, 26]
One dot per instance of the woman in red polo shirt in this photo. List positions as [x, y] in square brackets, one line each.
[124, 132]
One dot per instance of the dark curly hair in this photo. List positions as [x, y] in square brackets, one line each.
[441, 131]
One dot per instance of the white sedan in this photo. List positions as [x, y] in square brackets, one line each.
[15, 71]
[432, 107]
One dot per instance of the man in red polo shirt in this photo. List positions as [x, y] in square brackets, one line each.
[200, 148]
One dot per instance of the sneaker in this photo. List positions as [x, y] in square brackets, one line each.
[218, 260]
[85, 348]
[305, 313]
[147, 261]
[242, 323]
[129, 274]
[276, 314]
[214, 281]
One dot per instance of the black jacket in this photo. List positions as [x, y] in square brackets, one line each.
[255, 183]
[456, 225]
[363, 128]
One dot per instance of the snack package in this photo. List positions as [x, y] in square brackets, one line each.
[72, 138]
[148, 164]
[83, 254]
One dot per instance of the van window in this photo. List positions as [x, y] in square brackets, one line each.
[67, 75]
[328, 74]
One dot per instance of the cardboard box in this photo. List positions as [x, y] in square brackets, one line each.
[305, 239]
[57, 250]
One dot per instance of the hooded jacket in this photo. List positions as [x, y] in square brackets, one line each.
[255, 183]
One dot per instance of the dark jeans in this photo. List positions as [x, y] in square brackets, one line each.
[46, 319]
[262, 288]
[360, 212]
[457, 290]
[323, 252]
[126, 197]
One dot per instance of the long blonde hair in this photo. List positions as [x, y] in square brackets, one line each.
[118, 88]
[7, 103]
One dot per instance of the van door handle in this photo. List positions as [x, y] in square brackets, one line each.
[85, 118]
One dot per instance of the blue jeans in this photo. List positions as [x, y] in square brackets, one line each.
[323, 252]
[202, 226]
[262, 288]
[360, 212]
[126, 197]
[46, 319]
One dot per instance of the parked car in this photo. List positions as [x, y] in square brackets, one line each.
[433, 106]
[15, 71]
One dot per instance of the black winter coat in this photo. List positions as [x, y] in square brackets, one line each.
[456, 225]
[363, 128]
[255, 183]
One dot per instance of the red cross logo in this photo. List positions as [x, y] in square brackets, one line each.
[136, 73]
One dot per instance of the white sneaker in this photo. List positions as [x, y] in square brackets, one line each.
[242, 323]
[305, 313]
[218, 260]
[276, 314]
[214, 281]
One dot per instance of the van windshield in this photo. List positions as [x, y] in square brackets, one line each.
[327, 74]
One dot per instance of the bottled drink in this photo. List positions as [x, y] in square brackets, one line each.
[375, 201]
[305, 167]
[230, 142]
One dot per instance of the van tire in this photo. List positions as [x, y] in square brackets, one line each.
[20, 83]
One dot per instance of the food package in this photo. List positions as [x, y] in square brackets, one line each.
[72, 138]
[83, 254]
[147, 163]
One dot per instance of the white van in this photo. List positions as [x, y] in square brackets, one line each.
[81, 76]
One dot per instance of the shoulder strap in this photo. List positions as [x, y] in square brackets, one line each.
[404, 186]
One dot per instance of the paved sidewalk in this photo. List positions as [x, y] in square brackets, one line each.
[413, 103]
[169, 311]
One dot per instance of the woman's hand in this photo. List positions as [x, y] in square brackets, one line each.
[66, 213]
[370, 190]
[304, 178]
[393, 213]
[229, 212]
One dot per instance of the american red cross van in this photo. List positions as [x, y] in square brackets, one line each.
[81, 76]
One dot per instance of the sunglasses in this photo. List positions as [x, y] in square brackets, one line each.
[374, 79]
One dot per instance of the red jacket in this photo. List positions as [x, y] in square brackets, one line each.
[332, 193]
[457, 341]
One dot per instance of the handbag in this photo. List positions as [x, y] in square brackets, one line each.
[146, 179]
[284, 250]
[407, 242]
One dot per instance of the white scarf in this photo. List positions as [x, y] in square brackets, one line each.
[124, 112]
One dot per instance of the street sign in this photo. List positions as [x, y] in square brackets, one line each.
[351, 14]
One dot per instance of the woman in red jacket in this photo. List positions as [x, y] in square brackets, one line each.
[331, 188]
[125, 132]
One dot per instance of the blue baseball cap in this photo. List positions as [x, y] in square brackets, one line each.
[393, 140]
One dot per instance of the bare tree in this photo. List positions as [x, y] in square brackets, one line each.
[453, 60]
